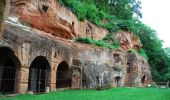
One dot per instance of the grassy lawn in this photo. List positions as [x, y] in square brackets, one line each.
[111, 94]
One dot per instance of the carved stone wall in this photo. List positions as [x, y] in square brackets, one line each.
[26, 35]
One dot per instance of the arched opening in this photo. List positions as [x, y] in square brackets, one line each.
[39, 75]
[63, 76]
[89, 31]
[117, 81]
[44, 8]
[117, 58]
[9, 64]
[143, 79]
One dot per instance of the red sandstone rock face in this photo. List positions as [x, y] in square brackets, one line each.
[41, 14]
[86, 29]
[127, 40]
[49, 16]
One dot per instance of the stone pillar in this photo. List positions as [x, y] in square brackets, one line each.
[53, 76]
[23, 72]
[56, 57]
[23, 80]
[4, 5]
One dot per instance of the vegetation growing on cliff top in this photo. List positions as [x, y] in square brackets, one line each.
[99, 43]
[125, 15]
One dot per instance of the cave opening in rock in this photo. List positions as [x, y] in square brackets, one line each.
[143, 79]
[117, 81]
[117, 58]
[9, 64]
[89, 31]
[128, 67]
[45, 8]
[39, 75]
[63, 76]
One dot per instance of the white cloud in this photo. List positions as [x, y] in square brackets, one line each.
[156, 14]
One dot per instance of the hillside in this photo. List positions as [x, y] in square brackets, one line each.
[125, 15]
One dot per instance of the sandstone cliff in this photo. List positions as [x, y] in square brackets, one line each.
[40, 29]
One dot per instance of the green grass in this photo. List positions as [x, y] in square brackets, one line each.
[111, 94]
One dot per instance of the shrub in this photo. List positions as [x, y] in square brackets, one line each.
[142, 53]
[84, 40]
[99, 43]
[108, 37]
[81, 10]
[126, 25]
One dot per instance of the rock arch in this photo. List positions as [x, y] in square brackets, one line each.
[39, 72]
[9, 71]
[63, 75]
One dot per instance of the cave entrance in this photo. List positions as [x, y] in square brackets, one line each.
[45, 8]
[63, 76]
[143, 79]
[117, 81]
[39, 75]
[9, 65]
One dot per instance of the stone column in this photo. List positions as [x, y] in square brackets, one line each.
[4, 5]
[23, 80]
[53, 76]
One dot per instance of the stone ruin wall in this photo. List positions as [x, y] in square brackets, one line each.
[99, 67]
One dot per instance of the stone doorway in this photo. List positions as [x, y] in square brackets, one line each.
[143, 79]
[9, 65]
[39, 75]
[117, 81]
[63, 76]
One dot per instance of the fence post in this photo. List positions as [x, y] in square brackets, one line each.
[167, 84]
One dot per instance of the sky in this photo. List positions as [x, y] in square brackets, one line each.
[156, 14]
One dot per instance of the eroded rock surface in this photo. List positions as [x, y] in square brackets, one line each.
[42, 15]
[127, 40]
[36, 40]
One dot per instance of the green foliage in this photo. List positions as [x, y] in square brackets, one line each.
[79, 8]
[108, 37]
[84, 40]
[99, 43]
[126, 25]
[157, 57]
[167, 51]
[92, 13]
[119, 15]
[132, 51]
[142, 53]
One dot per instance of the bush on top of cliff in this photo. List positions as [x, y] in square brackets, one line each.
[110, 15]
[142, 53]
[84, 10]
[99, 43]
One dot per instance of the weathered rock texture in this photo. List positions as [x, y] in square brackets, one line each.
[3, 11]
[49, 16]
[87, 29]
[43, 61]
[127, 40]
